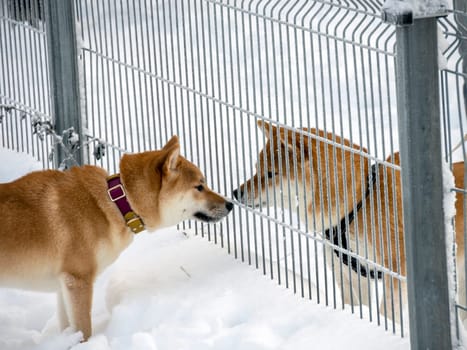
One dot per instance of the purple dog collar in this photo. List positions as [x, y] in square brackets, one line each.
[118, 196]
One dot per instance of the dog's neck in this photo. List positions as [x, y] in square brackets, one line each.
[337, 234]
[117, 194]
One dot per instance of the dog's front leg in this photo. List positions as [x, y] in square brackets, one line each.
[76, 294]
[341, 276]
[62, 313]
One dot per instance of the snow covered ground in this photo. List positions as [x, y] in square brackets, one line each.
[171, 290]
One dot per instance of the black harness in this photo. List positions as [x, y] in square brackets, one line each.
[341, 229]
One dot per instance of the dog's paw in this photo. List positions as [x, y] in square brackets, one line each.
[65, 340]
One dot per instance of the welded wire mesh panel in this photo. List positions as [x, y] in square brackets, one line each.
[453, 64]
[24, 90]
[317, 216]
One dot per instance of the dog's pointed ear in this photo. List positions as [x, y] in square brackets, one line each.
[173, 141]
[289, 139]
[173, 152]
[277, 134]
[269, 130]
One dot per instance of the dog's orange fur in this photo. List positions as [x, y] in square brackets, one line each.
[60, 229]
[333, 179]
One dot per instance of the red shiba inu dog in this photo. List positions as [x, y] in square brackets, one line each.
[61, 229]
[356, 207]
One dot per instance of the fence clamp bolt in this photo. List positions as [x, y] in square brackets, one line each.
[99, 151]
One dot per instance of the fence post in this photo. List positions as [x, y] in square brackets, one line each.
[417, 83]
[64, 77]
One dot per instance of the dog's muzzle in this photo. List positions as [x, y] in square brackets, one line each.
[242, 196]
[238, 194]
[229, 206]
[215, 214]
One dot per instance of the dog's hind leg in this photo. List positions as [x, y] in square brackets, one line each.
[77, 297]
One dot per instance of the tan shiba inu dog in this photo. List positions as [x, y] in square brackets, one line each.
[61, 229]
[355, 208]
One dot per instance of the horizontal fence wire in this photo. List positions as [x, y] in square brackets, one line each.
[24, 89]
[453, 92]
[209, 70]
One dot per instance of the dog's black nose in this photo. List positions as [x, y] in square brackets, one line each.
[229, 206]
[237, 194]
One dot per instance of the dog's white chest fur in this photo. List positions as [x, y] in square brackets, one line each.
[108, 251]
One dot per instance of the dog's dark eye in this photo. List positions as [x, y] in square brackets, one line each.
[270, 174]
[200, 188]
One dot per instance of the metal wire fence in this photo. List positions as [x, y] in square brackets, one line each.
[320, 73]
[24, 89]
[209, 70]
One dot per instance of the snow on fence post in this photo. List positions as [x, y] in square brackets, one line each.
[417, 82]
[64, 80]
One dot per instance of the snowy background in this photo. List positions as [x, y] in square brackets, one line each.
[171, 290]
